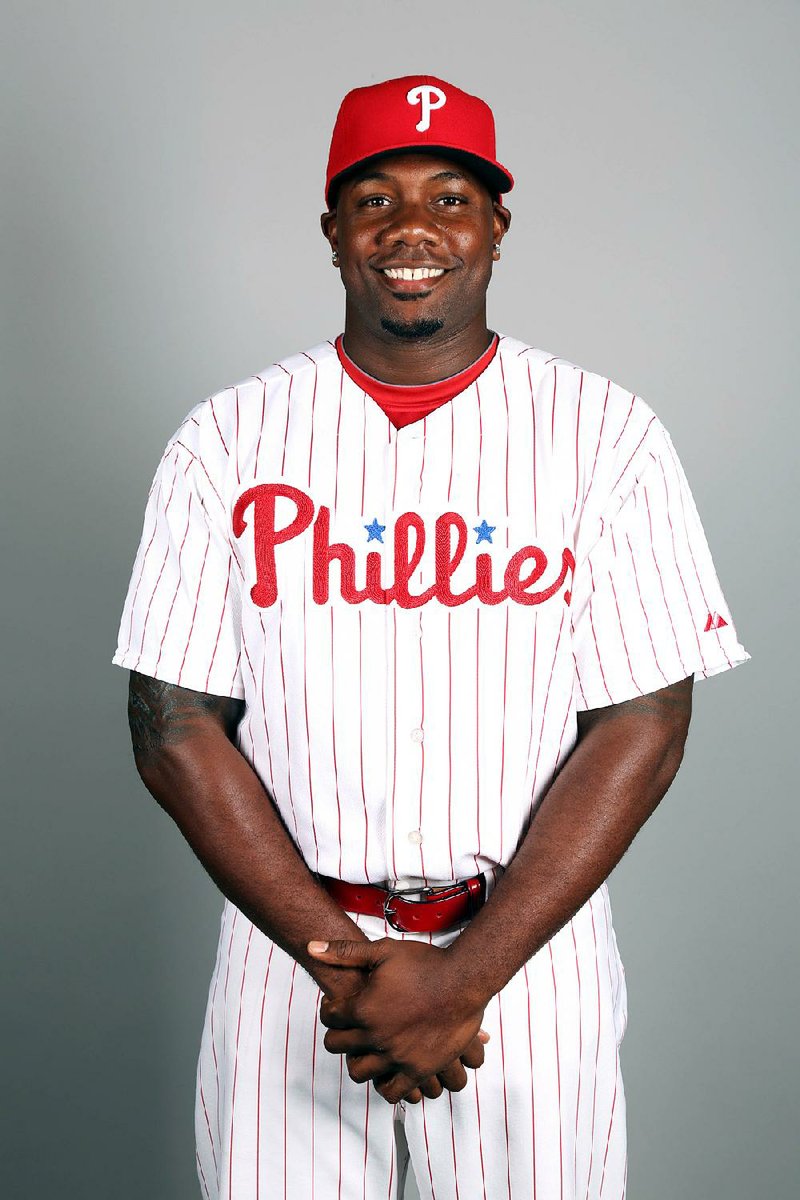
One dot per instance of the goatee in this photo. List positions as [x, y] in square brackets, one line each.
[423, 327]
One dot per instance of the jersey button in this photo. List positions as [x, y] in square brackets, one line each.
[415, 837]
[417, 735]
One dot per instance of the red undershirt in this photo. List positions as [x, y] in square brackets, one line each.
[404, 405]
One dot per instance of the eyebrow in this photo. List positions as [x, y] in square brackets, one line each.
[387, 177]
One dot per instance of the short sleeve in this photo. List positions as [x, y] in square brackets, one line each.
[182, 616]
[647, 607]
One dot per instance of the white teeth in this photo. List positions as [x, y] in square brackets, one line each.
[413, 272]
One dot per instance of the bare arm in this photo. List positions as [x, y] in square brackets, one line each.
[622, 765]
[185, 756]
[184, 753]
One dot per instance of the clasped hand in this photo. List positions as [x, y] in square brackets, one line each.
[411, 1028]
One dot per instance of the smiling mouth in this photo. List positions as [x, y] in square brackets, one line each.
[412, 274]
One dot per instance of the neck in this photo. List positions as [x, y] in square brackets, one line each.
[415, 361]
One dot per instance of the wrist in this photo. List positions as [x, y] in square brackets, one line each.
[467, 971]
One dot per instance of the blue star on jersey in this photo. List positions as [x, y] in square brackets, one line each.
[484, 532]
[375, 531]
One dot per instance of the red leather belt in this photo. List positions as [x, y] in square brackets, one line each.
[421, 910]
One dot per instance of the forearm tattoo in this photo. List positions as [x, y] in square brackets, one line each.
[163, 714]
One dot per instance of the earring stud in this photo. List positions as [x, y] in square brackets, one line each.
[496, 249]
[335, 258]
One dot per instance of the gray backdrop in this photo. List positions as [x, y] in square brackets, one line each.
[163, 175]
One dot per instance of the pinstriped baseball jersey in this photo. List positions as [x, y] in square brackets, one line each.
[414, 617]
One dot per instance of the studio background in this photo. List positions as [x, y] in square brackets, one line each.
[163, 167]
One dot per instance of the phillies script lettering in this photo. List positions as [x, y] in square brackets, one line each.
[518, 579]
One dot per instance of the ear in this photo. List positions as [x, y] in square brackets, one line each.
[328, 224]
[501, 220]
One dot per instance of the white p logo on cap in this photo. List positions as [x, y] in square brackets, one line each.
[430, 98]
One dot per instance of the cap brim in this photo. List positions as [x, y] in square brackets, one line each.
[494, 175]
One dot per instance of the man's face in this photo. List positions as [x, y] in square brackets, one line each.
[415, 236]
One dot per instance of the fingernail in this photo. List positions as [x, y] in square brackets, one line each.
[317, 947]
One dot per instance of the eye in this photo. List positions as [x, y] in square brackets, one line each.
[373, 201]
[452, 200]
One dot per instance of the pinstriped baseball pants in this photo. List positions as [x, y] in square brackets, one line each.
[278, 1118]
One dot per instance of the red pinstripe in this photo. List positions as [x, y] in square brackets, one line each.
[505, 1094]
[503, 740]
[422, 750]
[553, 411]
[286, 429]
[427, 1148]
[258, 1074]
[264, 707]
[677, 566]
[633, 453]
[508, 426]
[177, 585]
[261, 427]
[219, 628]
[597, 1049]
[533, 1090]
[594, 638]
[390, 818]
[311, 438]
[202, 465]
[610, 1127]
[286, 723]
[580, 1051]
[341, 1068]
[661, 581]
[622, 632]
[480, 1139]
[208, 1123]
[480, 449]
[236, 1066]
[363, 452]
[694, 563]
[558, 1075]
[219, 431]
[152, 594]
[338, 430]
[450, 746]
[546, 701]
[477, 729]
[202, 1174]
[644, 610]
[308, 730]
[313, 1099]
[577, 444]
[238, 475]
[533, 444]
[366, 1141]
[599, 443]
[147, 550]
[625, 423]
[333, 744]
[361, 739]
[453, 1142]
[194, 611]
[286, 1083]
[452, 450]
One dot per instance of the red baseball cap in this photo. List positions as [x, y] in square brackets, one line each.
[417, 112]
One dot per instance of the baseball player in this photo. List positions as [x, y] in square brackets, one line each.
[412, 633]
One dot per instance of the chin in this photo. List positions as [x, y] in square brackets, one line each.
[413, 329]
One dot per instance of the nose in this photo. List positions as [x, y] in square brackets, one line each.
[411, 224]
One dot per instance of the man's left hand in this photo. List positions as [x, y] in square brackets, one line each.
[411, 1021]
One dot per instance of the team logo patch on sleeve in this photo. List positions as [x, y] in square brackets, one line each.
[714, 621]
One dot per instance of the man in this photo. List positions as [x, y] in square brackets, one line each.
[412, 631]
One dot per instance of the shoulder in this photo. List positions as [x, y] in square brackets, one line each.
[596, 414]
[211, 429]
